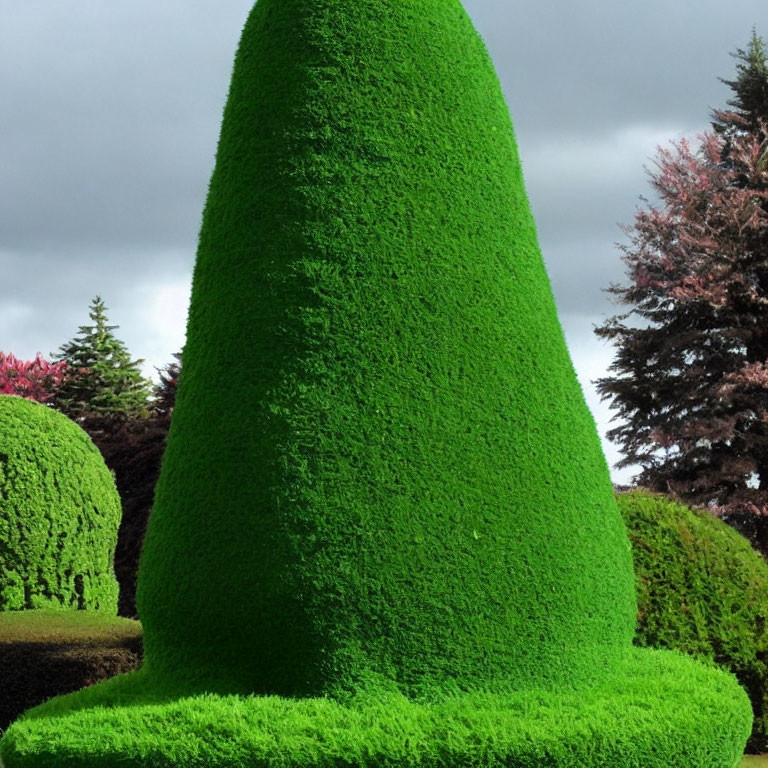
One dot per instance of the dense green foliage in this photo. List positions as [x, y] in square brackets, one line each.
[393, 511]
[59, 513]
[701, 590]
[401, 410]
[103, 380]
[48, 653]
[665, 711]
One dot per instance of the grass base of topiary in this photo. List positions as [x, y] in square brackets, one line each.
[663, 711]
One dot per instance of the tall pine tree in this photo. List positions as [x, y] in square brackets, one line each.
[104, 381]
[747, 114]
[691, 381]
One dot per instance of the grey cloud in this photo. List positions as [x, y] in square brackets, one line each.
[584, 67]
[109, 116]
[112, 110]
[111, 119]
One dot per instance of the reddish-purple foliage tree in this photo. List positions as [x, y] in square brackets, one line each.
[33, 379]
[691, 381]
[164, 395]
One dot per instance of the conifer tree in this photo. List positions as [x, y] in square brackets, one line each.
[164, 393]
[749, 105]
[691, 380]
[104, 381]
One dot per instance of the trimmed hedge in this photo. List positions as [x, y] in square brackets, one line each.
[702, 590]
[45, 653]
[59, 513]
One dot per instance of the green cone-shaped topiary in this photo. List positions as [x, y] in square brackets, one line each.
[59, 513]
[407, 410]
[395, 518]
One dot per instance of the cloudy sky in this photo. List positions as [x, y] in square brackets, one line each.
[109, 117]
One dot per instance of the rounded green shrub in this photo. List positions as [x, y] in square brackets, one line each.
[388, 536]
[59, 513]
[702, 590]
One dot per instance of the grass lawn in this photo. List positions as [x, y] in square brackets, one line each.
[755, 761]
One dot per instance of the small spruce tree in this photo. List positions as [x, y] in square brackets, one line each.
[104, 381]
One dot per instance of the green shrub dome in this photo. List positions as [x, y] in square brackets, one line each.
[59, 513]
[390, 530]
[701, 590]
